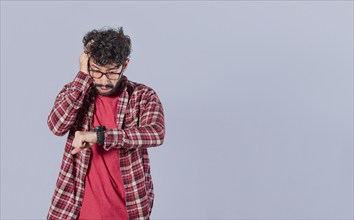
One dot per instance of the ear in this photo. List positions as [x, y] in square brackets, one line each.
[126, 63]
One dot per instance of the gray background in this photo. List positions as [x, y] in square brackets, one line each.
[258, 100]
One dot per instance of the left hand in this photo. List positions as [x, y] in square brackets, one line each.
[84, 59]
[83, 139]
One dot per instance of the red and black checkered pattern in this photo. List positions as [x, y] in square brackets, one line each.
[140, 125]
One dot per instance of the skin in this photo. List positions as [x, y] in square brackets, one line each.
[85, 139]
[104, 91]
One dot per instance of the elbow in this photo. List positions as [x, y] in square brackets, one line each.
[161, 135]
[58, 133]
[56, 130]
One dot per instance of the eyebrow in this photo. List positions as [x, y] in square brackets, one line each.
[117, 67]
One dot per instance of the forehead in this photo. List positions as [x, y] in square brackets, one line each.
[107, 66]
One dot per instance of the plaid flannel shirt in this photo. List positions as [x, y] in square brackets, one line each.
[140, 125]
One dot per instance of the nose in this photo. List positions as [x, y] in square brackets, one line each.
[104, 80]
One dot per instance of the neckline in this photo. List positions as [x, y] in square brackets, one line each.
[106, 98]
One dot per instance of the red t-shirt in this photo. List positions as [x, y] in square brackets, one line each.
[104, 196]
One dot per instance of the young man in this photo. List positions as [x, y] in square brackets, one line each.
[105, 171]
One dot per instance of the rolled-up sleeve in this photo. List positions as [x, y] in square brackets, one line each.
[67, 104]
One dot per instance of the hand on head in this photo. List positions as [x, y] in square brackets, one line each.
[84, 58]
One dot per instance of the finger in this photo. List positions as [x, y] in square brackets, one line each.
[76, 143]
[86, 145]
[75, 150]
[76, 146]
[90, 42]
[86, 48]
[84, 55]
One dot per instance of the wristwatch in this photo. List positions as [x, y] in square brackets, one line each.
[100, 130]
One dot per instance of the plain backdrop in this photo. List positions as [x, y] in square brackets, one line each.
[258, 100]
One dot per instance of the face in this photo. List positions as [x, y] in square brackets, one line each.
[106, 77]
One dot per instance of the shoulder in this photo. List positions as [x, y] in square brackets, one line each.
[140, 91]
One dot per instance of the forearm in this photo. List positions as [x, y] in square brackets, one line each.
[67, 104]
[136, 137]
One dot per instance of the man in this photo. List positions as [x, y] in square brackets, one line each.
[105, 171]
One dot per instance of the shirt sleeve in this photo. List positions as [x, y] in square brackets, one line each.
[67, 104]
[149, 133]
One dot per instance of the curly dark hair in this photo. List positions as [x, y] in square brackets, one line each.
[107, 46]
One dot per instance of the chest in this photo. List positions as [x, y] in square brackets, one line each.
[122, 113]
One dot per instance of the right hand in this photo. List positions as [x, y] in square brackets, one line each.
[83, 139]
[84, 59]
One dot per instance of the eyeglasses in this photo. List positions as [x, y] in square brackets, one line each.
[109, 74]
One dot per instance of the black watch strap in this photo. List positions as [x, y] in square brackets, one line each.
[100, 130]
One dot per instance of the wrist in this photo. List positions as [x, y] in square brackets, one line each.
[99, 134]
[84, 70]
[93, 137]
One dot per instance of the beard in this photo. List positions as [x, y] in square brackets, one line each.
[113, 89]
